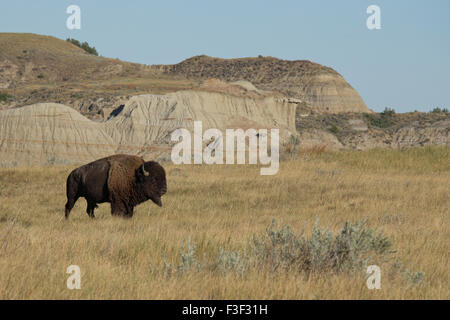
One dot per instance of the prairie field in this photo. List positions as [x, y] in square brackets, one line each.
[214, 211]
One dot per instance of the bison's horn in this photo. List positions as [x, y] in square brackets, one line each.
[145, 173]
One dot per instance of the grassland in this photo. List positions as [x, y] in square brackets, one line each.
[404, 193]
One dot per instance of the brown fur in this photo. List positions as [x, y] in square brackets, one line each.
[121, 181]
[125, 185]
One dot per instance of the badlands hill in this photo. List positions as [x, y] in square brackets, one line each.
[49, 133]
[36, 68]
[319, 86]
[59, 104]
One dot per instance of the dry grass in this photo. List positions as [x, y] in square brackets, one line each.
[403, 193]
[314, 150]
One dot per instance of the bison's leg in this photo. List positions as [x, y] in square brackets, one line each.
[118, 208]
[90, 208]
[69, 205]
[130, 212]
[72, 197]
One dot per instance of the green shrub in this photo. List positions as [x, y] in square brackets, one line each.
[189, 261]
[76, 95]
[4, 97]
[322, 251]
[414, 278]
[232, 261]
[384, 119]
[333, 129]
[388, 112]
[439, 110]
[281, 249]
[40, 76]
[74, 41]
[85, 46]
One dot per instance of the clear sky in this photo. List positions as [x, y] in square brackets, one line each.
[405, 65]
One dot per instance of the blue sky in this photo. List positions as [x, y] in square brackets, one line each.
[405, 65]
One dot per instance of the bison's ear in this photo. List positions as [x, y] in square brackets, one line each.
[141, 173]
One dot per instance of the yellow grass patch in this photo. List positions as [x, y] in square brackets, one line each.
[404, 193]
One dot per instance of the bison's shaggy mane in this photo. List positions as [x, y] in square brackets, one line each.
[122, 180]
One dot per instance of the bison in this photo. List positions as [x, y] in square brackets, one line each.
[122, 180]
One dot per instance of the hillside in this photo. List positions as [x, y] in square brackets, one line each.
[30, 58]
[127, 105]
[319, 86]
[36, 68]
[373, 130]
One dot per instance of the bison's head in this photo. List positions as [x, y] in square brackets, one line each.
[151, 178]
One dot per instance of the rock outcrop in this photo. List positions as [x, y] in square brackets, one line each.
[147, 121]
[368, 131]
[50, 133]
[410, 135]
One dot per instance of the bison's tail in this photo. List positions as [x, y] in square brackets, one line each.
[72, 193]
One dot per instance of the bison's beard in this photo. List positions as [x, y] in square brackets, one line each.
[157, 201]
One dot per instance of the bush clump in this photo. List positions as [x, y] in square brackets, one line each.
[333, 129]
[85, 46]
[388, 112]
[189, 260]
[4, 97]
[281, 249]
[384, 119]
[322, 251]
[439, 110]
